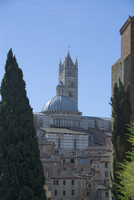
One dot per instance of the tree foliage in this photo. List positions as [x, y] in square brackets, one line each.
[21, 171]
[126, 174]
[121, 113]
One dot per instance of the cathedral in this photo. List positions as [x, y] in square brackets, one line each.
[60, 120]
[75, 150]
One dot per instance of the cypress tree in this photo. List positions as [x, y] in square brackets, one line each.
[121, 113]
[21, 171]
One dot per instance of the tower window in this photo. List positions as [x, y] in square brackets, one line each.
[70, 94]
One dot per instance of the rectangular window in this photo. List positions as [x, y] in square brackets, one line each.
[106, 165]
[83, 192]
[106, 173]
[53, 182]
[64, 192]
[83, 161]
[72, 160]
[72, 192]
[49, 198]
[49, 188]
[91, 161]
[72, 182]
[63, 161]
[81, 169]
[55, 163]
[57, 182]
[64, 182]
[55, 192]
[107, 195]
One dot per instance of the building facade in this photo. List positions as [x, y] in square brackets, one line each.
[124, 67]
[73, 148]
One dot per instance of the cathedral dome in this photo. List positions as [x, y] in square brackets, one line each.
[60, 102]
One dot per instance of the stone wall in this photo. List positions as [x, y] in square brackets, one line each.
[79, 188]
[124, 67]
[125, 32]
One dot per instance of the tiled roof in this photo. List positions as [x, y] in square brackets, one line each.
[68, 175]
[62, 131]
[102, 187]
[50, 159]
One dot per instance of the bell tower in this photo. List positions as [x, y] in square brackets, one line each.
[68, 75]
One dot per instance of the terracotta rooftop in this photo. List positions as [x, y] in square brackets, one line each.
[50, 159]
[68, 175]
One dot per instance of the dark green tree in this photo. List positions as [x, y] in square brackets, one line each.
[21, 171]
[121, 113]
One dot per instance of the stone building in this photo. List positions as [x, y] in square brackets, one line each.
[124, 67]
[61, 122]
[72, 147]
[92, 164]
[47, 188]
[102, 192]
[68, 186]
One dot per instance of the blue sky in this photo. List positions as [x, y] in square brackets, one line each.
[39, 32]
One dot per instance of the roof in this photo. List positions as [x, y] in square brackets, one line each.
[51, 159]
[62, 131]
[47, 143]
[60, 102]
[125, 25]
[61, 84]
[105, 159]
[96, 148]
[97, 118]
[48, 181]
[102, 187]
[68, 175]
[69, 61]
[121, 59]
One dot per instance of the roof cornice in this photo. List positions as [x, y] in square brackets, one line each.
[125, 25]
